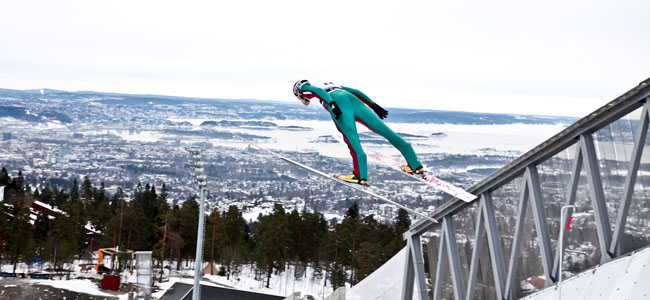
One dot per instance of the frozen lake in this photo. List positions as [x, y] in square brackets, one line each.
[455, 139]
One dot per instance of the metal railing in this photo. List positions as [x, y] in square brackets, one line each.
[595, 164]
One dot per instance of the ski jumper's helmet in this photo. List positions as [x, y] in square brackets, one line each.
[296, 90]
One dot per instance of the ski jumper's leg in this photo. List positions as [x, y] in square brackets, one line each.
[367, 117]
[347, 126]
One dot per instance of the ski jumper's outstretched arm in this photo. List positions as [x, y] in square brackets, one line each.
[359, 95]
[320, 93]
[380, 111]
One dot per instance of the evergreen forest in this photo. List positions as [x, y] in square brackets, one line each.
[345, 252]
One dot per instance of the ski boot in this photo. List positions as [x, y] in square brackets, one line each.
[418, 171]
[351, 178]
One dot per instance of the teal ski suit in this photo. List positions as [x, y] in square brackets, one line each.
[355, 107]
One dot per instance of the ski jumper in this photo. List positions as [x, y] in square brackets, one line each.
[354, 107]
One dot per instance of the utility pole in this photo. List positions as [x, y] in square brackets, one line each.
[561, 246]
[198, 172]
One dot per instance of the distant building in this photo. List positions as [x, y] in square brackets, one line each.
[6, 136]
[38, 206]
[64, 154]
[533, 284]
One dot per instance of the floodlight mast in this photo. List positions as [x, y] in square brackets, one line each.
[561, 246]
[198, 172]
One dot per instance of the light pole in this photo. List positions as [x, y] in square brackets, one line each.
[561, 241]
[198, 168]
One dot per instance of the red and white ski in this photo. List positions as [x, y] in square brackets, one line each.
[426, 178]
[433, 181]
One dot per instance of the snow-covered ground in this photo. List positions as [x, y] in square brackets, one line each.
[85, 286]
[252, 214]
[282, 284]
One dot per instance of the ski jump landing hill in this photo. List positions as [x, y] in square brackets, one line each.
[504, 245]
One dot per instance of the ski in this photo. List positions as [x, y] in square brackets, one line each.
[366, 190]
[433, 181]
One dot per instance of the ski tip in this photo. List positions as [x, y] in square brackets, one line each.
[467, 197]
[432, 220]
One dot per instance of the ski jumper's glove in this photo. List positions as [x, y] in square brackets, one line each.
[335, 109]
[381, 112]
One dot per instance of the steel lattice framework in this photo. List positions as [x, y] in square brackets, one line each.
[579, 137]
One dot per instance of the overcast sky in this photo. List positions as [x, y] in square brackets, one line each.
[529, 57]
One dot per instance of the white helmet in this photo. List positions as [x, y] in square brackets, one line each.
[296, 91]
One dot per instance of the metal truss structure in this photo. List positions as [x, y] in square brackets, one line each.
[607, 204]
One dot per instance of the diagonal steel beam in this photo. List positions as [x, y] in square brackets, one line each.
[541, 222]
[570, 200]
[454, 258]
[597, 196]
[409, 274]
[432, 258]
[442, 261]
[494, 243]
[516, 242]
[415, 245]
[630, 180]
[474, 264]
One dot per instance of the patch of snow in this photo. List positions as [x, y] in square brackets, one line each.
[76, 285]
[282, 284]
[252, 214]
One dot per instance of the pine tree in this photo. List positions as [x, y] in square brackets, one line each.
[74, 192]
[20, 239]
[272, 236]
[215, 240]
[18, 182]
[174, 235]
[86, 187]
[4, 177]
[369, 258]
[5, 230]
[296, 229]
[190, 222]
[61, 245]
[353, 211]
[42, 227]
[46, 195]
[117, 201]
[136, 228]
[103, 214]
[61, 199]
[337, 277]
[233, 254]
[402, 221]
